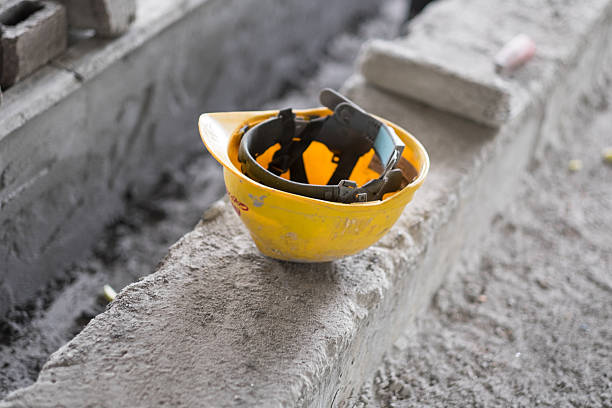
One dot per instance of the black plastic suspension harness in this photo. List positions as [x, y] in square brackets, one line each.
[348, 133]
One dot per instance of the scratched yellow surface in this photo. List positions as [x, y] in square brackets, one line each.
[302, 229]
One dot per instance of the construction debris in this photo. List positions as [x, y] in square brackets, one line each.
[575, 165]
[607, 154]
[109, 293]
[514, 54]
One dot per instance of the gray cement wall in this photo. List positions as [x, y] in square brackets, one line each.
[218, 324]
[108, 117]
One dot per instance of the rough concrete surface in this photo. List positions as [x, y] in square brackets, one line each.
[447, 58]
[119, 113]
[400, 69]
[109, 18]
[529, 322]
[133, 244]
[219, 324]
[129, 249]
[32, 33]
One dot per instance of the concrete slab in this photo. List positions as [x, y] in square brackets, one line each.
[447, 58]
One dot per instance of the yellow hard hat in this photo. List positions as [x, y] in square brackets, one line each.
[349, 181]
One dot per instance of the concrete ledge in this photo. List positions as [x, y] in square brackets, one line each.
[218, 324]
[108, 117]
[228, 326]
[221, 325]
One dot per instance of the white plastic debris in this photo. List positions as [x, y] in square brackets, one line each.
[607, 154]
[515, 53]
[109, 293]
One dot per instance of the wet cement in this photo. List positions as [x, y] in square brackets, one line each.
[137, 241]
[528, 321]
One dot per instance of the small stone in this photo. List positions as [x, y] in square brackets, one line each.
[395, 387]
[401, 343]
[575, 165]
[607, 154]
[109, 293]
[482, 298]
[214, 211]
[542, 284]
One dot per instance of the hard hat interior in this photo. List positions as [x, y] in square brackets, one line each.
[318, 159]
[320, 167]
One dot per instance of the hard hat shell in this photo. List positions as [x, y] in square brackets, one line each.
[295, 228]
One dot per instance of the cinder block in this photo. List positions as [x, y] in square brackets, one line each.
[438, 82]
[110, 18]
[33, 32]
[447, 60]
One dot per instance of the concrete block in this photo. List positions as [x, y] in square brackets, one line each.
[33, 32]
[110, 18]
[447, 59]
[436, 82]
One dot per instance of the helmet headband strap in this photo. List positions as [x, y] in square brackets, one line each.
[348, 133]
